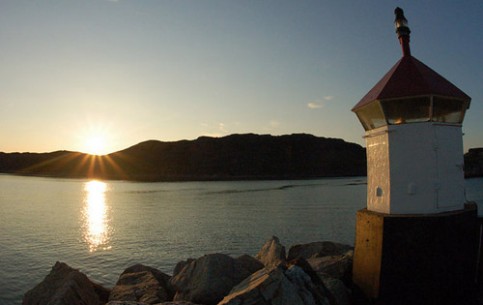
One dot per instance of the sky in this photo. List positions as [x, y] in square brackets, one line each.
[99, 76]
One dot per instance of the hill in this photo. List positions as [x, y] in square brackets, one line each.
[474, 163]
[234, 157]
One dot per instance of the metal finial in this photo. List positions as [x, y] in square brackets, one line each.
[402, 30]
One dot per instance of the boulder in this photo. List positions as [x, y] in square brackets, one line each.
[277, 286]
[318, 249]
[140, 303]
[250, 263]
[272, 253]
[177, 303]
[337, 266]
[315, 278]
[208, 279]
[338, 290]
[143, 284]
[326, 258]
[162, 277]
[180, 265]
[125, 303]
[66, 286]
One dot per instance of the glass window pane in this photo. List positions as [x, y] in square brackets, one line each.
[448, 110]
[408, 110]
[371, 116]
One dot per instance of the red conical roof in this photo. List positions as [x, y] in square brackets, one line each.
[410, 77]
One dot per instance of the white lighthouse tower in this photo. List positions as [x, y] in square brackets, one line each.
[417, 240]
[412, 119]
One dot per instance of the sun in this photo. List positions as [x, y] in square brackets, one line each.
[95, 144]
[95, 137]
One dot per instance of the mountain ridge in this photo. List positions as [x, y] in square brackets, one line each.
[233, 157]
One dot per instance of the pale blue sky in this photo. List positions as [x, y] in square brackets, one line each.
[129, 71]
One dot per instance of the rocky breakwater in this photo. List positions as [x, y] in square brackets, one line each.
[318, 273]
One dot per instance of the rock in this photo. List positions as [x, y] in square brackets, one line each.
[177, 303]
[139, 286]
[326, 258]
[140, 303]
[65, 285]
[272, 253]
[338, 290]
[180, 265]
[322, 290]
[337, 266]
[125, 303]
[143, 284]
[208, 279]
[332, 262]
[276, 286]
[250, 263]
[318, 249]
[162, 278]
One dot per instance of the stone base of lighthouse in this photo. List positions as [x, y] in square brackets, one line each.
[417, 259]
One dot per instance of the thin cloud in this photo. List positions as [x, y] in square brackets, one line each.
[315, 105]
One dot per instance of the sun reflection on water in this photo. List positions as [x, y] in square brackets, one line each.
[95, 216]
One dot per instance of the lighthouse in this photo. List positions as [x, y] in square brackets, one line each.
[416, 242]
[412, 119]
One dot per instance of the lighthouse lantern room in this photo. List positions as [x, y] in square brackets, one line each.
[412, 118]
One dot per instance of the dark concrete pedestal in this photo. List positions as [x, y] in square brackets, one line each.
[417, 259]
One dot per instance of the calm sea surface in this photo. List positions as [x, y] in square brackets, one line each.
[103, 227]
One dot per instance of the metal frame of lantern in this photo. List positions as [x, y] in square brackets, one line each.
[436, 109]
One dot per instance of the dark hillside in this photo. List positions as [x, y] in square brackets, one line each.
[232, 157]
[474, 163]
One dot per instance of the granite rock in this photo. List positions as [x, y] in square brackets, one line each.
[340, 293]
[141, 303]
[208, 279]
[279, 285]
[326, 258]
[272, 253]
[143, 284]
[318, 249]
[66, 286]
[180, 265]
[125, 303]
[178, 303]
[250, 263]
[337, 266]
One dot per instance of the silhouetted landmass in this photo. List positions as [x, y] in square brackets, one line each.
[474, 163]
[233, 157]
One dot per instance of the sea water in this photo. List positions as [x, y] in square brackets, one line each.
[103, 227]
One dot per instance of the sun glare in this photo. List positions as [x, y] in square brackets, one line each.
[94, 137]
[95, 145]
